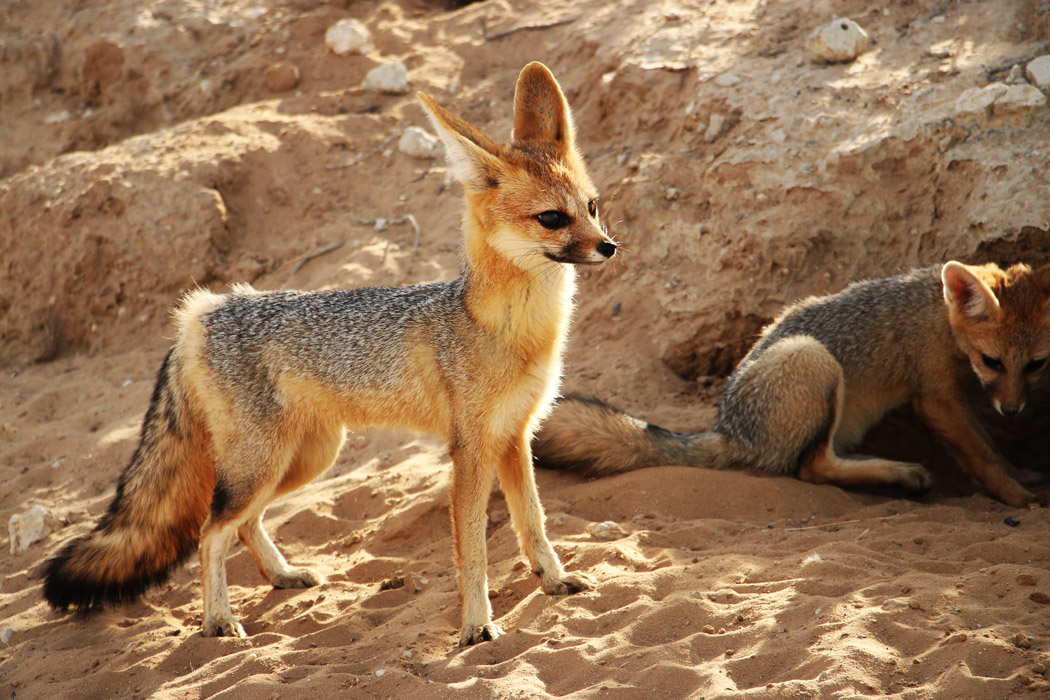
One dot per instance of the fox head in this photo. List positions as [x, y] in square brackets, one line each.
[531, 200]
[1000, 320]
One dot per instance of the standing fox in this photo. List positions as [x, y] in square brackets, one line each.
[253, 399]
[829, 368]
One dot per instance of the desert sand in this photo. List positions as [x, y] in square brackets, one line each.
[143, 151]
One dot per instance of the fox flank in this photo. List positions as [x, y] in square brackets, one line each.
[255, 396]
[831, 367]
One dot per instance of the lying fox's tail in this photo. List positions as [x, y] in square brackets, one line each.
[154, 522]
[589, 436]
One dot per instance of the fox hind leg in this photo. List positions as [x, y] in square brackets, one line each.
[316, 453]
[796, 390]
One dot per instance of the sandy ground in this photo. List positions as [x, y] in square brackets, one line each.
[143, 153]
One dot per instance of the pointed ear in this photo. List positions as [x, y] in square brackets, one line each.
[473, 157]
[541, 112]
[967, 293]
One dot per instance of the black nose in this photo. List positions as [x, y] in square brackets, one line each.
[1009, 410]
[607, 248]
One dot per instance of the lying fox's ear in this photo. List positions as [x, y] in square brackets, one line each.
[541, 112]
[473, 157]
[966, 293]
[1042, 279]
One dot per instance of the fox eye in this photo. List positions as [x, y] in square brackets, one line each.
[992, 363]
[553, 219]
[592, 208]
[1034, 366]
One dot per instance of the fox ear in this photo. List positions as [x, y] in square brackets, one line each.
[967, 293]
[541, 112]
[473, 157]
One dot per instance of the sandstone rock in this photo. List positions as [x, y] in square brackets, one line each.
[281, 77]
[1038, 72]
[838, 41]
[32, 526]
[390, 78]
[420, 144]
[348, 36]
[1018, 97]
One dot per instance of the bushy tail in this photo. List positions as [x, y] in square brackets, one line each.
[154, 522]
[589, 436]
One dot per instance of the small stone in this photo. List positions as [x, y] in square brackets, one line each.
[389, 78]
[727, 80]
[1019, 97]
[839, 41]
[406, 654]
[979, 99]
[956, 638]
[418, 143]
[6, 635]
[1021, 641]
[1038, 72]
[1015, 76]
[893, 604]
[281, 77]
[1026, 580]
[348, 36]
[715, 126]
[708, 629]
[381, 673]
[914, 604]
[606, 531]
[32, 526]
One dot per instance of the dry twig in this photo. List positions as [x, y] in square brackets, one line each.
[524, 28]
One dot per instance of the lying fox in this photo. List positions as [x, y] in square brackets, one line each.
[831, 367]
[253, 399]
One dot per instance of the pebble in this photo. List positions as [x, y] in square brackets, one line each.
[715, 126]
[281, 77]
[381, 673]
[1021, 641]
[32, 526]
[607, 530]
[1038, 72]
[348, 36]
[389, 78]
[419, 143]
[727, 80]
[839, 41]
[6, 635]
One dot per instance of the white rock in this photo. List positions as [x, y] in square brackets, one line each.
[1038, 72]
[606, 531]
[32, 526]
[391, 78]
[837, 41]
[1017, 97]
[727, 80]
[6, 635]
[420, 144]
[979, 99]
[348, 36]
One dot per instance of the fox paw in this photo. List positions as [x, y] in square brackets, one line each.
[915, 479]
[473, 634]
[566, 584]
[1017, 496]
[296, 578]
[222, 628]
